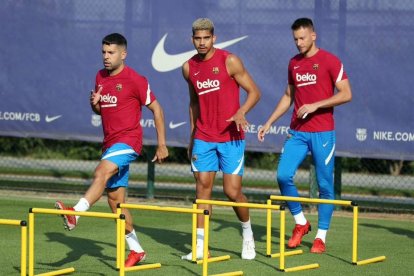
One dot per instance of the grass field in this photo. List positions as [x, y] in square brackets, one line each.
[90, 248]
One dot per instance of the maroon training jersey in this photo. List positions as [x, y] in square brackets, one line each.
[314, 79]
[218, 96]
[122, 98]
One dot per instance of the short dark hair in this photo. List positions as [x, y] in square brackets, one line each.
[115, 38]
[302, 23]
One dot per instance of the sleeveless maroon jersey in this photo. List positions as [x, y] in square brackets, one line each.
[314, 79]
[122, 98]
[218, 96]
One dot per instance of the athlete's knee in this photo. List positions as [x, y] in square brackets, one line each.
[112, 204]
[326, 192]
[102, 174]
[203, 191]
[284, 178]
[235, 195]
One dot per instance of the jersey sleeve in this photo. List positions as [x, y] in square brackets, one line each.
[336, 70]
[145, 94]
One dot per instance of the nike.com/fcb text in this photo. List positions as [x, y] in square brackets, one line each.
[19, 116]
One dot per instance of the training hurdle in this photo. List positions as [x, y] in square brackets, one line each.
[194, 211]
[23, 249]
[282, 254]
[120, 221]
[354, 206]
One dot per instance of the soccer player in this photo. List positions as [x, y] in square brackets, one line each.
[217, 122]
[313, 75]
[119, 95]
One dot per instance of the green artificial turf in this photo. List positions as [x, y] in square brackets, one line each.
[90, 248]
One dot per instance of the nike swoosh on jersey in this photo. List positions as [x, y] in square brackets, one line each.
[164, 62]
[51, 119]
[172, 125]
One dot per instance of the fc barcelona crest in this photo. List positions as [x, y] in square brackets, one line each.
[216, 70]
[315, 66]
[118, 87]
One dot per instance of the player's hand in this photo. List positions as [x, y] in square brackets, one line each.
[305, 110]
[262, 132]
[160, 154]
[239, 120]
[96, 96]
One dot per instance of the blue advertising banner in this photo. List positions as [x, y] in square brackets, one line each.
[51, 51]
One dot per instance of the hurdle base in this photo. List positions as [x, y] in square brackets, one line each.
[370, 261]
[214, 259]
[142, 267]
[58, 272]
[288, 253]
[229, 273]
[301, 267]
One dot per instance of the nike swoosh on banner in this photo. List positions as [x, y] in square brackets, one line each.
[172, 125]
[164, 62]
[51, 119]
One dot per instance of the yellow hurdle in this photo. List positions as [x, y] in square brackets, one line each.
[312, 200]
[355, 242]
[301, 267]
[282, 253]
[234, 273]
[23, 241]
[120, 220]
[238, 204]
[269, 207]
[194, 211]
[58, 272]
[354, 222]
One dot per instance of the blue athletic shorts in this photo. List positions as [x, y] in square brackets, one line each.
[121, 155]
[212, 157]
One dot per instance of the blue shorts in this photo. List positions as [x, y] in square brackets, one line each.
[121, 155]
[212, 157]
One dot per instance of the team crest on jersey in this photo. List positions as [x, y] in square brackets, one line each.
[315, 66]
[119, 87]
[216, 70]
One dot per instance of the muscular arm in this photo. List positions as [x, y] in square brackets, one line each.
[162, 151]
[236, 69]
[194, 109]
[343, 95]
[281, 108]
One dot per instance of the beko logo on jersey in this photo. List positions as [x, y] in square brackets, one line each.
[306, 77]
[208, 84]
[108, 100]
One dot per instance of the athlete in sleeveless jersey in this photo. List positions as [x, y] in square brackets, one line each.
[118, 97]
[313, 76]
[218, 98]
[217, 122]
